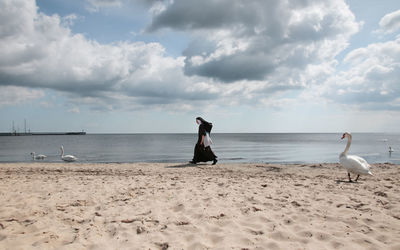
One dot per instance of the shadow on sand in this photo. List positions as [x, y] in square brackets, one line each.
[187, 165]
[347, 181]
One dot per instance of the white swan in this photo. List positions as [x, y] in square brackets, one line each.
[67, 157]
[38, 157]
[353, 163]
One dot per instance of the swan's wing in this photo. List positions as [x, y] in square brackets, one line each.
[358, 164]
[348, 162]
[71, 157]
[361, 160]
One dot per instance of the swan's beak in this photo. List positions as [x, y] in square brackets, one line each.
[343, 136]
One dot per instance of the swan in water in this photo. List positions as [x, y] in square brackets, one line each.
[67, 157]
[38, 157]
[353, 163]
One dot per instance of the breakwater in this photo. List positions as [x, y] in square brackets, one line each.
[42, 133]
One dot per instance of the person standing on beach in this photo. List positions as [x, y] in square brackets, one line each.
[202, 150]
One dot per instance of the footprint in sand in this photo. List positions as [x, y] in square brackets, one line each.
[305, 234]
[178, 208]
[2, 237]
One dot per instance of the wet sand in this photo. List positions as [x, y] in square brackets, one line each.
[182, 206]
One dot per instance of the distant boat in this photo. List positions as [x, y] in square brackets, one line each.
[391, 150]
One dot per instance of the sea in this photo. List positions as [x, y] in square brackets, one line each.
[301, 148]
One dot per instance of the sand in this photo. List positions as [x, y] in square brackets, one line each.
[179, 206]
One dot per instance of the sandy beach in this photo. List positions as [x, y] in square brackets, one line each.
[179, 206]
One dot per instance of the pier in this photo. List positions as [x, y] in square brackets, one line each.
[16, 132]
[42, 133]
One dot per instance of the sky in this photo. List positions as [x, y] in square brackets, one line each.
[153, 66]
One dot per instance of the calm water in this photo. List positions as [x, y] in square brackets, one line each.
[271, 148]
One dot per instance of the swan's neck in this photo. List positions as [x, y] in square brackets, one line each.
[347, 146]
[62, 152]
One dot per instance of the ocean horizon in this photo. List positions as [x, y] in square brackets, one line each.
[285, 148]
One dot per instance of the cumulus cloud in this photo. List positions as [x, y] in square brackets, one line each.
[95, 5]
[240, 52]
[69, 20]
[372, 79]
[37, 51]
[390, 23]
[10, 95]
[257, 40]
[75, 110]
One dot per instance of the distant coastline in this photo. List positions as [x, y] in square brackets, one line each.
[42, 133]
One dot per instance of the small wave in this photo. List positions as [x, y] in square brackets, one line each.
[233, 159]
[371, 154]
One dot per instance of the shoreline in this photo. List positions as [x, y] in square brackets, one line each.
[183, 206]
[220, 162]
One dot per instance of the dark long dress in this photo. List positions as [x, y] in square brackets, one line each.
[201, 153]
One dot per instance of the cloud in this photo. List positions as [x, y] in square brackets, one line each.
[238, 54]
[69, 20]
[390, 23]
[371, 83]
[95, 5]
[10, 95]
[259, 40]
[38, 51]
[75, 110]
